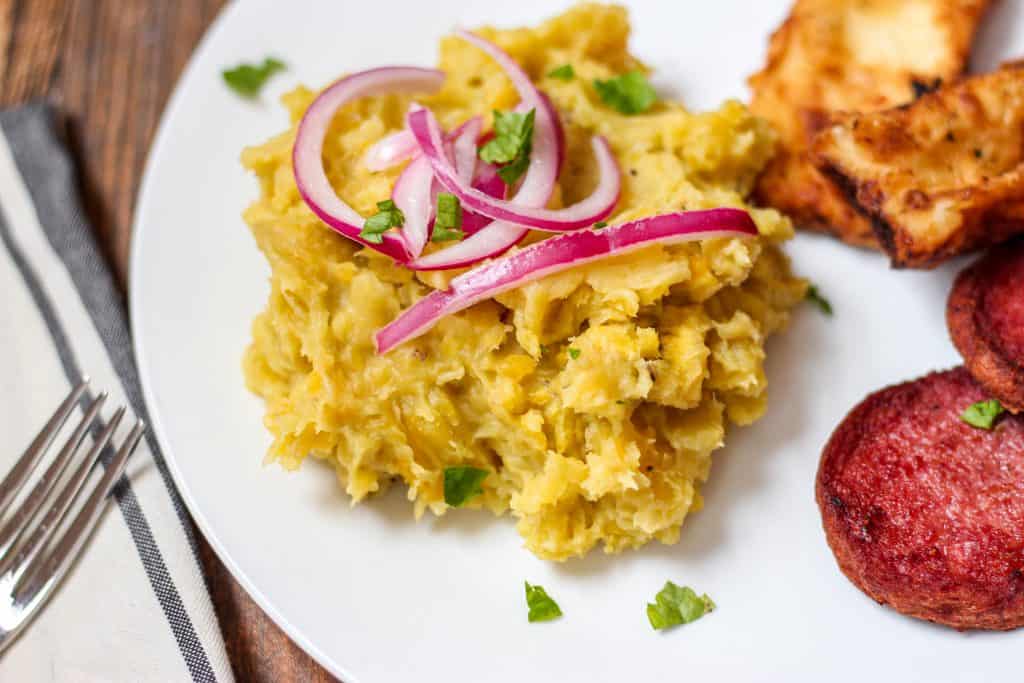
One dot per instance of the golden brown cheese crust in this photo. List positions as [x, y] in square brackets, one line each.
[849, 55]
[938, 177]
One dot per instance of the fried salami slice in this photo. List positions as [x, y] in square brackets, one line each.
[986, 321]
[925, 513]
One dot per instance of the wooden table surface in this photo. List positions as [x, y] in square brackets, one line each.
[109, 66]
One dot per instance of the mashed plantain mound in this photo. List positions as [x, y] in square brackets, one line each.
[607, 443]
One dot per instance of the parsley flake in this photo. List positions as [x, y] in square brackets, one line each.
[462, 483]
[542, 607]
[574, 353]
[247, 79]
[983, 414]
[600, 224]
[448, 219]
[675, 605]
[628, 94]
[563, 73]
[816, 298]
[388, 216]
[511, 144]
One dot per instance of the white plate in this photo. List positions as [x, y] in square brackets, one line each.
[375, 597]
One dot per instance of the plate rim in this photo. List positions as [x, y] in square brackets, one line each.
[161, 140]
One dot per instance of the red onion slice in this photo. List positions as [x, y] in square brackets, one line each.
[413, 195]
[307, 155]
[415, 191]
[494, 239]
[464, 148]
[538, 183]
[535, 189]
[391, 150]
[558, 129]
[488, 181]
[556, 254]
[597, 206]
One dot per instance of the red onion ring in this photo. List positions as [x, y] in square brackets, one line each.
[413, 195]
[415, 191]
[596, 207]
[556, 254]
[464, 148]
[537, 184]
[391, 150]
[558, 128]
[488, 181]
[492, 240]
[307, 155]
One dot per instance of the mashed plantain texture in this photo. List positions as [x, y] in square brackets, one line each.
[594, 397]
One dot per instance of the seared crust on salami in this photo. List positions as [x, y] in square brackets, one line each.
[985, 314]
[925, 513]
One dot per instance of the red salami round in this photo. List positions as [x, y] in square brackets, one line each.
[986, 321]
[924, 512]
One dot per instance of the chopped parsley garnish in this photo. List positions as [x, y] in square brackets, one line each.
[448, 219]
[600, 224]
[462, 483]
[628, 94]
[815, 297]
[574, 353]
[513, 171]
[542, 607]
[511, 145]
[388, 216]
[676, 605]
[247, 79]
[563, 73]
[983, 414]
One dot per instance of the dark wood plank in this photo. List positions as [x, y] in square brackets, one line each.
[109, 66]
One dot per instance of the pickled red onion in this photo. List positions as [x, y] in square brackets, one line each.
[567, 250]
[391, 150]
[415, 191]
[307, 155]
[536, 187]
[486, 180]
[412, 194]
[585, 213]
[494, 239]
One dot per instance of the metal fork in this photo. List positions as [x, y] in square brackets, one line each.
[32, 560]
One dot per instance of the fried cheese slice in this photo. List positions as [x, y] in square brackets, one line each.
[938, 177]
[849, 55]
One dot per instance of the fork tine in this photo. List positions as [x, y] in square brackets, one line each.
[15, 479]
[17, 562]
[27, 510]
[46, 572]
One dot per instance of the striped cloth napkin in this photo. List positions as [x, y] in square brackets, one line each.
[136, 606]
